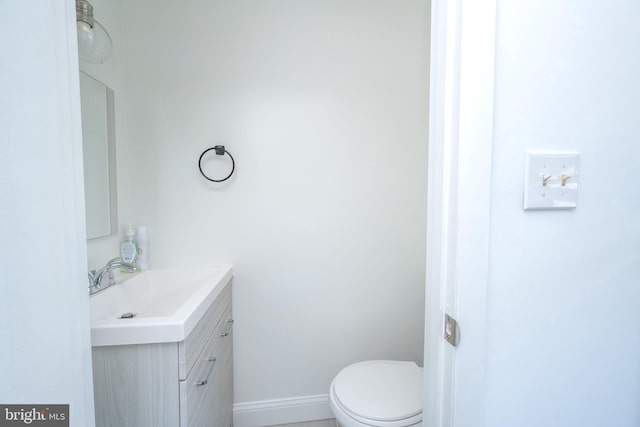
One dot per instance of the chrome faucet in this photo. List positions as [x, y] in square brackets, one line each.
[96, 277]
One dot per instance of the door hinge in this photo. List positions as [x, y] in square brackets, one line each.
[451, 330]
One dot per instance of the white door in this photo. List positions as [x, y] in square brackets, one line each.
[548, 302]
[45, 350]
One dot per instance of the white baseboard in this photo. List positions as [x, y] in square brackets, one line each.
[281, 411]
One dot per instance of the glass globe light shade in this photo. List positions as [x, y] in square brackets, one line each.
[94, 43]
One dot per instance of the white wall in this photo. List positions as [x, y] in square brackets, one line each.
[563, 339]
[44, 311]
[323, 104]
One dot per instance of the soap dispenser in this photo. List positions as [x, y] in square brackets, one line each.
[128, 250]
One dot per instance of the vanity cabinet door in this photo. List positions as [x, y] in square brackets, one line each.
[206, 396]
[135, 385]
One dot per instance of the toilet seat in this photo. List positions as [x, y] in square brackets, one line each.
[379, 393]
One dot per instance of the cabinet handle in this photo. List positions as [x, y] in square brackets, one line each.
[204, 382]
[226, 334]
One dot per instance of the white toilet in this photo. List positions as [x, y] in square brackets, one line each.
[379, 393]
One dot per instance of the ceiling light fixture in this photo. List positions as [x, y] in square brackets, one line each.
[94, 43]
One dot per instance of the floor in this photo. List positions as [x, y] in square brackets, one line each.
[322, 423]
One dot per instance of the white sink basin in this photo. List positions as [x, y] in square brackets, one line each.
[166, 305]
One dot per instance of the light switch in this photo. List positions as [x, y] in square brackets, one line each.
[551, 181]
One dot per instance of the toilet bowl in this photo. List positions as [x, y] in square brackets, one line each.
[378, 393]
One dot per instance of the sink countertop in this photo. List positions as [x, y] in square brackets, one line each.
[167, 305]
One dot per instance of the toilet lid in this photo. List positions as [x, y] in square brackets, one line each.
[381, 390]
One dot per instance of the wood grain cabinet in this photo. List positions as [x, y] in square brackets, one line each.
[187, 383]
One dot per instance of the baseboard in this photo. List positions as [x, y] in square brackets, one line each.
[281, 411]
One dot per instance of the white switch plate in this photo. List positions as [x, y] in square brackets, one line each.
[543, 181]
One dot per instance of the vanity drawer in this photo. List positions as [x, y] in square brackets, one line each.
[191, 347]
[207, 393]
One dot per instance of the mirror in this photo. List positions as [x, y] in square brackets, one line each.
[98, 146]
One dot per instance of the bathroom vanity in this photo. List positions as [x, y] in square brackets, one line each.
[171, 363]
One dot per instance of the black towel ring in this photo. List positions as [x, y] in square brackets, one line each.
[220, 151]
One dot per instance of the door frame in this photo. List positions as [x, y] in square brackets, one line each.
[463, 38]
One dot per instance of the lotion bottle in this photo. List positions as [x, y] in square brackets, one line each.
[142, 239]
[128, 249]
